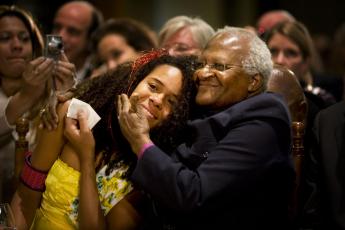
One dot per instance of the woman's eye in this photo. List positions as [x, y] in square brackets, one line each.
[172, 102]
[24, 37]
[116, 54]
[274, 52]
[291, 53]
[4, 36]
[153, 86]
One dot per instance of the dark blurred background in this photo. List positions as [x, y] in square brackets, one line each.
[321, 17]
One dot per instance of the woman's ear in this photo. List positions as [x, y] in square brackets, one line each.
[255, 83]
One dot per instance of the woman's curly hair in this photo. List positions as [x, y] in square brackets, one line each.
[101, 93]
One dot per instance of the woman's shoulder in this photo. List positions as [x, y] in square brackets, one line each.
[64, 105]
[62, 108]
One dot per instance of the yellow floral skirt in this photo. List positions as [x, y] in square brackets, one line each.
[60, 201]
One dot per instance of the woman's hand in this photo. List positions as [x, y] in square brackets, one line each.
[64, 73]
[80, 136]
[49, 118]
[35, 76]
[32, 90]
[64, 79]
[133, 122]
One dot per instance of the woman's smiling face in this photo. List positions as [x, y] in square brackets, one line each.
[158, 92]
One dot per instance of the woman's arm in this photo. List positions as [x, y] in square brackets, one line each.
[33, 88]
[125, 215]
[90, 213]
[64, 79]
[81, 138]
[25, 200]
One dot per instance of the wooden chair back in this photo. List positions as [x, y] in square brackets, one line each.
[22, 145]
[298, 130]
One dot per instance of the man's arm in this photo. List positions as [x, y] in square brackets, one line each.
[230, 166]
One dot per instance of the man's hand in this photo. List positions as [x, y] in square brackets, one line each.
[133, 122]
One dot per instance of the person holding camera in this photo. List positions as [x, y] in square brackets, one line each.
[24, 83]
[75, 22]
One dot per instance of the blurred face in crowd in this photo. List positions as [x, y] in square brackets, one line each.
[113, 50]
[15, 47]
[220, 78]
[271, 18]
[182, 43]
[286, 53]
[158, 93]
[72, 22]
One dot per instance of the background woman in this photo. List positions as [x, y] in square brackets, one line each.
[23, 79]
[120, 40]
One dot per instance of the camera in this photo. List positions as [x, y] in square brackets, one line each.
[53, 47]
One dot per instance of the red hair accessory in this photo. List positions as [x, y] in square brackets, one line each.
[143, 60]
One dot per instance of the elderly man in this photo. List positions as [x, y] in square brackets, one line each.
[236, 169]
[75, 21]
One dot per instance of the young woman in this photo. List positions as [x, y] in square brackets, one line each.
[93, 191]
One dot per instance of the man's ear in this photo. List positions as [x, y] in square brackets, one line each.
[255, 83]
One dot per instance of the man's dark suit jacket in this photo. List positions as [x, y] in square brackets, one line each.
[235, 173]
[326, 172]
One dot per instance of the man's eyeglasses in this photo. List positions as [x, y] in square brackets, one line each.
[215, 66]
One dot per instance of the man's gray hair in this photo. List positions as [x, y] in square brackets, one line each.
[201, 30]
[258, 60]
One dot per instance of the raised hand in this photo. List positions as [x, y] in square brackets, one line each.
[35, 76]
[64, 74]
[64, 78]
[133, 122]
[80, 136]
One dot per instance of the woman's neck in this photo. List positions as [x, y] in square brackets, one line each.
[10, 86]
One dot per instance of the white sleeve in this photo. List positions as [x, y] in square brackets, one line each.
[5, 127]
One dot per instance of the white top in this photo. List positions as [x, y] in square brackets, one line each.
[8, 136]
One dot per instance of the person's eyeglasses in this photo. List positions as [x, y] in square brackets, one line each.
[215, 66]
